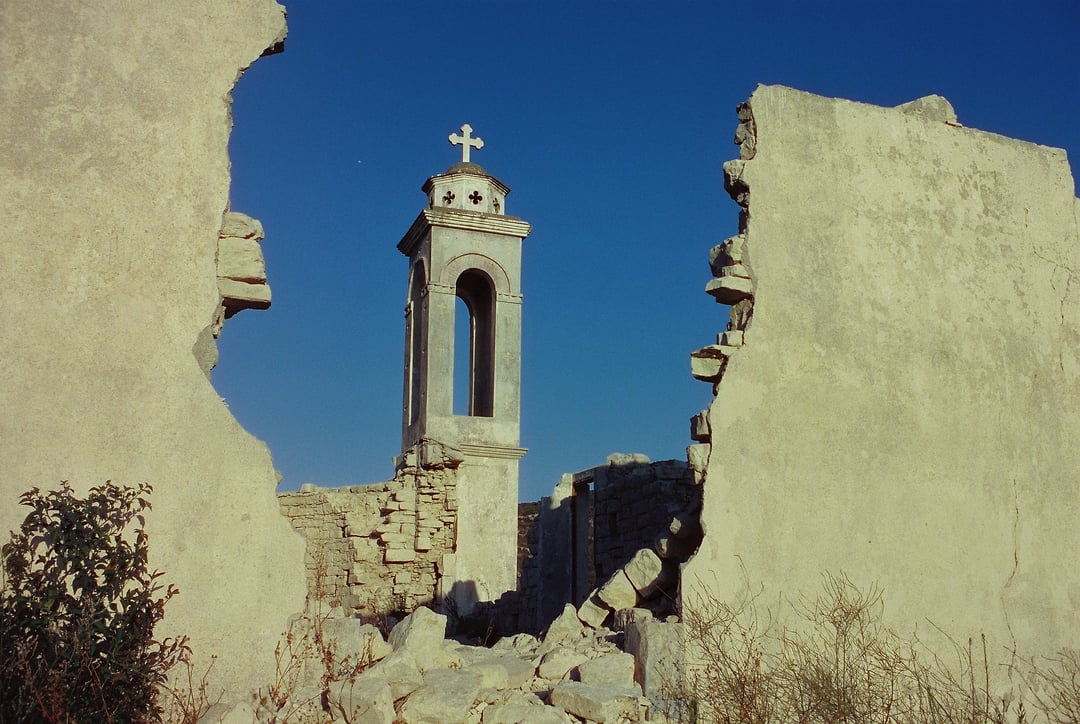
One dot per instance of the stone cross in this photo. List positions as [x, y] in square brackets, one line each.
[466, 141]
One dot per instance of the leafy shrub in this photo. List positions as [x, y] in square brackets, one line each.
[78, 608]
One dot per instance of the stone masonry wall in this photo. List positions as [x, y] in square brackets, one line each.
[380, 549]
[633, 502]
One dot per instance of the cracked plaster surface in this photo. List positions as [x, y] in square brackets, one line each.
[903, 406]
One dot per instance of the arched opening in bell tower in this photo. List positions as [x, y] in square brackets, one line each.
[415, 321]
[474, 335]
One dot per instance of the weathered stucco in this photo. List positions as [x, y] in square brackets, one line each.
[114, 177]
[903, 405]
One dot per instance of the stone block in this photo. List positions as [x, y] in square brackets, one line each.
[618, 592]
[556, 664]
[446, 695]
[422, 632]
[522, 644]
[567, 628]
[730, 289]
[502, 671]
[599, 703]
[400, 555]
[699, 427]
[364, 699]
[614, 669]
[697, 456]
[733, 338]
[517, 713]
[707, 364]
[731, 251]
[400, 670]
[354, 640]
[241, 260]
[734, 183]
[657, 648]
[736, 270]
[244, 295]
[644, 571]
[241, 226]
[593, 612]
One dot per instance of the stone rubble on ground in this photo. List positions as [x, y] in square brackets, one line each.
[575, 674]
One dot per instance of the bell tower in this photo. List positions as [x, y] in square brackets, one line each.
[464, 247]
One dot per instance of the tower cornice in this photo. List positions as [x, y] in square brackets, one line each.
[458, 219]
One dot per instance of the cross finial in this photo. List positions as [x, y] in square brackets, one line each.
[466, 141]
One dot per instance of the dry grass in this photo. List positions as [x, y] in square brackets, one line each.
[843, 666]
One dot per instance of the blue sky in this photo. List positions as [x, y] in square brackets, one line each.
[609, 121]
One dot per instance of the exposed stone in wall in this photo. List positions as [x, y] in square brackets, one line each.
[241, 270]
[114, 178]
[894, 391]
[381, 549]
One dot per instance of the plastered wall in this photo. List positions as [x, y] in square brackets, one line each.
[897, 397]
[114, 178]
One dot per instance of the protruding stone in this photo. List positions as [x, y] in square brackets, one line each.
[243, 295]
[697, 457]
[699, 427]
[732, 338]
[734, 183]
[240, 226]
[241, 260]
[707, 364]
[727, 253]
[730, 289]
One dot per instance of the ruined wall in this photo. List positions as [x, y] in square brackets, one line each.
[114, 178]
[897, 393]
[381, 549]
[596, 522]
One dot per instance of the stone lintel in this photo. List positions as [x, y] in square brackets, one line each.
[492, 451]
